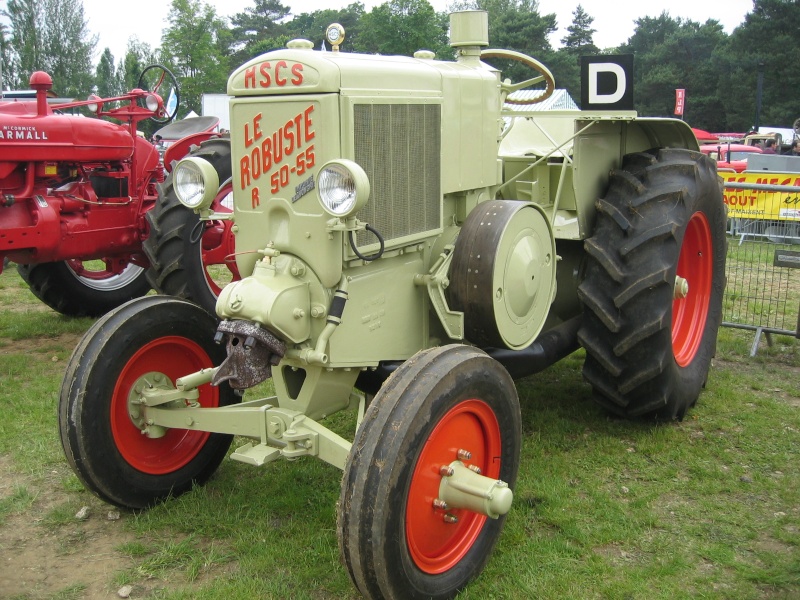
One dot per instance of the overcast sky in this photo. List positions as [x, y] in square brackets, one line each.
[614, 25]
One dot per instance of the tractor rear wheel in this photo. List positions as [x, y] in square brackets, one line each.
[76, 289]
[190, 258]
[654, 282]
[149, 341]
[444, 404]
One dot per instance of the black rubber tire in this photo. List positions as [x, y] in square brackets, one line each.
[87, 400]
[60, 288]
[387, 447]
[174, 245]
[627, 293]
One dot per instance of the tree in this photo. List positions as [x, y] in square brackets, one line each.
[579, 39]
[189, 46]
[257, 30]
[106, 80]
[68, 47]
[767, 41]
[6, 59]
[578, 42]
[672, 53]
[312, 26]
[52, 36]
[138, 55]
[517, 25]
[401, 27]
[25, 40]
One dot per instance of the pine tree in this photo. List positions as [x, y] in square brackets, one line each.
[579, 39]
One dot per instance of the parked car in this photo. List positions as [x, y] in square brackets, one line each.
[730, 156]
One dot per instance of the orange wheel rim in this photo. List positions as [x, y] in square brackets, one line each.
[435, 545]
[173, 356]
[690, 313]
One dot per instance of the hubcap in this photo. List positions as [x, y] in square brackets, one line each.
[690, 310]
[104, 275]
[438, 538]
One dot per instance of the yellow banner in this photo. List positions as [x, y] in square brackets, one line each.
[761, 204]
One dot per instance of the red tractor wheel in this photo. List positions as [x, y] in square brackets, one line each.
[436, 546]
[190, 258]
[148, 342]
[85, 288]
[654, 282]
[446, 410]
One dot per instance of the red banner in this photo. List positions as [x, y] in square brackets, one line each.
[680, 97]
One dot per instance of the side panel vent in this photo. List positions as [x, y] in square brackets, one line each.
[399, 147]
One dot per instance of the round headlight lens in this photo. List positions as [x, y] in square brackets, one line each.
[96, 105]
[152, 102]
[343, 187]
[196, 182]
[189, 184]
[337, 190]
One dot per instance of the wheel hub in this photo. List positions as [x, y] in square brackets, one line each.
[137, 402]
[681, 288]
[464, 487]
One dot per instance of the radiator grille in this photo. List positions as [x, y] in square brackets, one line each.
[398, 145]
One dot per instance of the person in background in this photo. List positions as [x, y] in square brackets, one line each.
[794, 149]
[769, 147]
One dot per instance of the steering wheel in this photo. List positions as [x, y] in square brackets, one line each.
[544, 75]
[153, 79]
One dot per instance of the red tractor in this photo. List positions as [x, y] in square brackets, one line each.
[74, 193]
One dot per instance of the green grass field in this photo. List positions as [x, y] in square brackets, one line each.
[604, 508]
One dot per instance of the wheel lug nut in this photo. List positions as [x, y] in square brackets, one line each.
[446, 471]
[440, 504]
[448, 518]
[464, 454]
[474, 468]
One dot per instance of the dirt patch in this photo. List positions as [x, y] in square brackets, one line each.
[38, 560]
[39, 346]
[26, 307]
[615, 554]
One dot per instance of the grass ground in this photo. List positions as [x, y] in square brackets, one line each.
[604, 508]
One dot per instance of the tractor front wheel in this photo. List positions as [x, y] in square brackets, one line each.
[151, 341]
[85, 288]
[654, 282]
[446, 410]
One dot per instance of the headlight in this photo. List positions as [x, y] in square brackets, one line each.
[153, 103]
[196, 182]
[343, 188]
[96, 106]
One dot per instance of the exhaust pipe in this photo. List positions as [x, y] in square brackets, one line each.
[550, 347]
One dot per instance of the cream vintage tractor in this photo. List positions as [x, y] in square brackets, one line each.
[409, 244]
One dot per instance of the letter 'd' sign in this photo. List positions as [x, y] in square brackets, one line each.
[607, 82]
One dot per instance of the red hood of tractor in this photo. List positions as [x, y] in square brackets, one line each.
[26, 136]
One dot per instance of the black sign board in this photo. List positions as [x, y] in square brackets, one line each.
[607, 82]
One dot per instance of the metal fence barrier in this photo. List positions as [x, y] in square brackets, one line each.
[763, 263]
